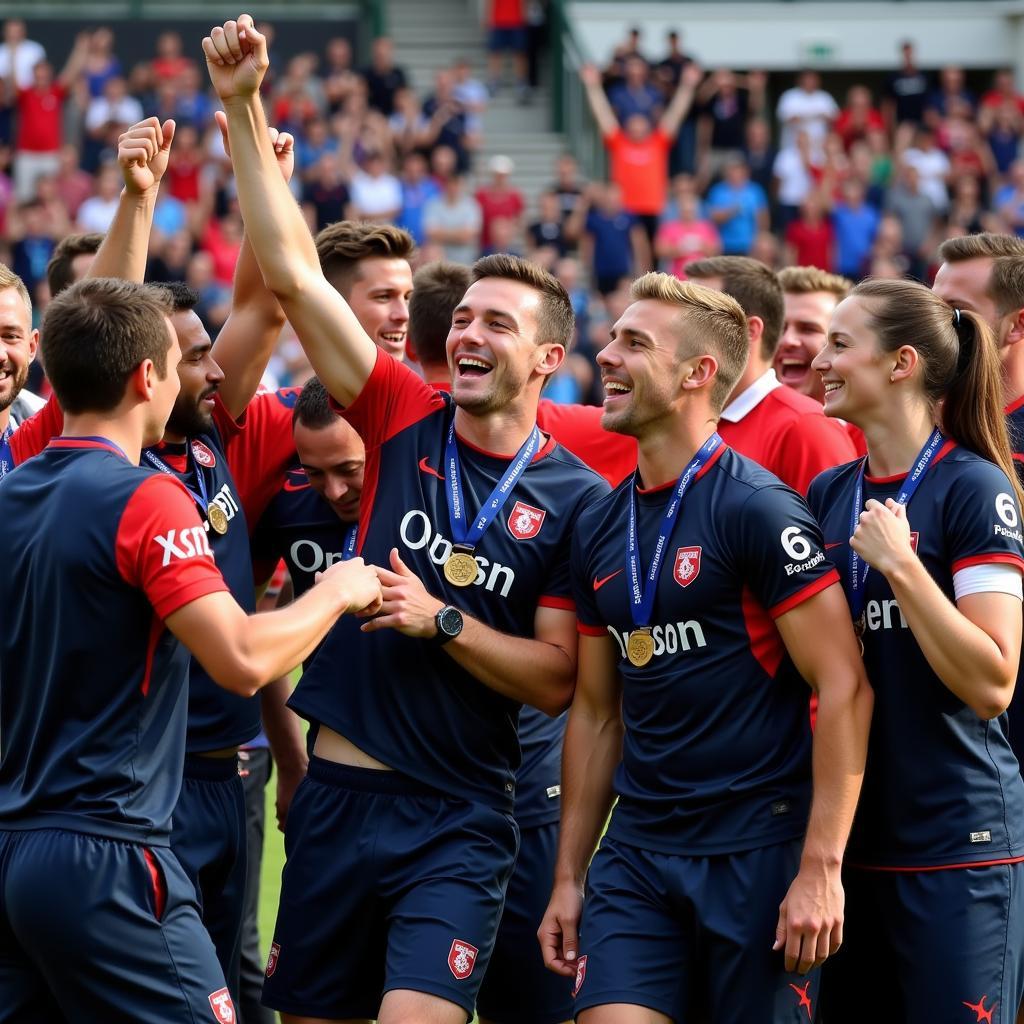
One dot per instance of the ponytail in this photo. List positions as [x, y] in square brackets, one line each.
[972, 412]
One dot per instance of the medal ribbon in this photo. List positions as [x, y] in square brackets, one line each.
[858, 579]
[350, 542]
[200, 499]
[462, 531]
[6, 455]
[642, 589]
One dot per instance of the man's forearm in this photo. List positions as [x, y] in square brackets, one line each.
[125, 248]
[283, 727]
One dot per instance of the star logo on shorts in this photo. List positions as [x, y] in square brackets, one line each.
[980, 1010]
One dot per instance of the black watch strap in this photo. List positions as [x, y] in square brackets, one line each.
[449, 625]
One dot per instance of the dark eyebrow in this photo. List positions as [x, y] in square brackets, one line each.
[504, 314]
[201, 347]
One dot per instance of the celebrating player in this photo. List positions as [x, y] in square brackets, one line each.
[97, 919]
[417, 743]
[932, 572]
[703, 593]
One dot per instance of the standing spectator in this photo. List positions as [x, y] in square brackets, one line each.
[855, 224]
[407, 124]
[452, 221]
[760, 153]
[809, 238]
[906, 91]
[932, 166]
[170, 61]
[472, 94]
[37, 147]
[73, 184]
[639, 154]
[568, 185]
[547, 233]
[339, 77]
[858, 117]
[101, 63]
[1004, 90]
[1005, 126]
[686, 237]
[33, 243]
[222, 240]
[114, 109]
[18, 54]
[726, 102]
[808, 108]
[1009, 200]
[312, 144]
[383, 77]
[499, 199]
[376, 192]
[668, 72]
[193, 105]
[613, 245]
[950, 94]
[966, 212]
[637, 94]
[445, 121]
[916, 212]
[96, 213]
[738, 207]
[418, 188]
[325, 195]
[506, 23]
[794, 173]
[184, 165]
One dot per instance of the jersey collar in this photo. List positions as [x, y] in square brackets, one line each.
[742, 405]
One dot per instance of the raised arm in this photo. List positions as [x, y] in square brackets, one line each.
[682, 100]
[75, 62]
[339, 349]
[599, 105]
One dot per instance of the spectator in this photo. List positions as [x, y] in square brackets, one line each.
[951, 92]
[170, 61]
[383, 77]
[170, 261]
[1004, 90]
[445, 121]
[340, 79]
[726, 102]
[313, 142]
[546, 235]
[568, 185]
[499, 199]
[686, 236]
[808, 108]
[966, 212]
[506, 23]
[669, 69]
[297, 99]
[222, 240]
[73, 184]
[636, 95]
[916, 213]
[101, 63]
[855, 224]
[96, 213]
[795, 175]
[193, 106]
[858, 117]
[612, 242]
[184, 166]
[738, 207]
[809, 238]
[376, 192]
[19, 55]
[452, 221]
[1005, 125]
[325, 195]
[37, 147]
[115, 109]
[639, 154]
[33, 240]
[906, 91]
[667, 74]
[1009, 200]
[214, 303]
[932, 166]
[505, 235]
[407, 124]
[418, 188]
[472, 94]
[760, 153]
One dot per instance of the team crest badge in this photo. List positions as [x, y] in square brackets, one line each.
[462, 959]
[581, 973]
[525, 521]
[914, 538]
[223, 1008]
[687, 567]
[275, 952]
[203, 455]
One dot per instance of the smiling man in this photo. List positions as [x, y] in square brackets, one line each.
[474, 509]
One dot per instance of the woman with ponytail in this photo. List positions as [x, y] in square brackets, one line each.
[926, 534]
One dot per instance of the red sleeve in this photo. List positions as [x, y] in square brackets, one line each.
[162, 547]
[393, 398]
[578, 429]
[37, 431]
[809, 445]
[259, 447]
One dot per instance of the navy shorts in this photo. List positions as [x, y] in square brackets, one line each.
[388, 884]
[927, 946]
[208, 838]
[517, 986]
[674, 932]
[502, 40]
[98, 931]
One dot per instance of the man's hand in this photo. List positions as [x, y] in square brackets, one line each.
[589, 75]
[357, 581]
[810, 927]
[558, 934]
[882, 537]
[142, 154]
[283, 142]
[407, 606]
[236, 58]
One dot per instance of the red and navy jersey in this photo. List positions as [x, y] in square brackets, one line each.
[716, 754]
[98, 553]
[942, 786]
[404, 700]
[1015, 429]
[578, 428]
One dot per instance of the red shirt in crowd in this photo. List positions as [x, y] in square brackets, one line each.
[507, 14]
[851, 131]
[508, 204]
[183, 177]
[812, 243]
[39, 119]
[640, 169]
[223, 250]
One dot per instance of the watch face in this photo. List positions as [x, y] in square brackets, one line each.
[449, 621]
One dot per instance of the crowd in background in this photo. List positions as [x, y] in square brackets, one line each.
[701, 161]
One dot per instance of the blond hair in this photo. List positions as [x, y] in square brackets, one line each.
[9, 279]
[806, 280]
[709, 316]
[986, 245]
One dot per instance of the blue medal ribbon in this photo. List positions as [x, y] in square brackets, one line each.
[464, 533]
[6, 455]
[858, 578]
[643, 588]
[200, 499]
[349, 548]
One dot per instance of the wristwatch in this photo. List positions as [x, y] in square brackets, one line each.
[449, 625]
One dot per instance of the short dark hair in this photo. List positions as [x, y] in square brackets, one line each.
[437, 288]
[754, 286]
[59, 273]
[313, 406]
[556, 322]
[182, 297]
[95, 335]
[344, 245]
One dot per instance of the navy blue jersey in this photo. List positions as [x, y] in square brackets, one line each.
[404, 700]
[93, 694]
[1015, 428]
[1015, 713]
[716, 755]
[942, 786]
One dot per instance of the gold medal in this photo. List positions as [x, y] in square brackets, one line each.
[461, 569]
[217, 518]
[640, 648]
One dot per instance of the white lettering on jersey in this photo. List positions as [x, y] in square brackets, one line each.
[226, 502]
[792, 568]
[188, 543]
[670, 638]
[880, 615]
[417, 533]
[308, 556]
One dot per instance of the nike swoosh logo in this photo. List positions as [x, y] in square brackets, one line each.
[292, 485]
[834, 544]
[598, 584]
[429, 469]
